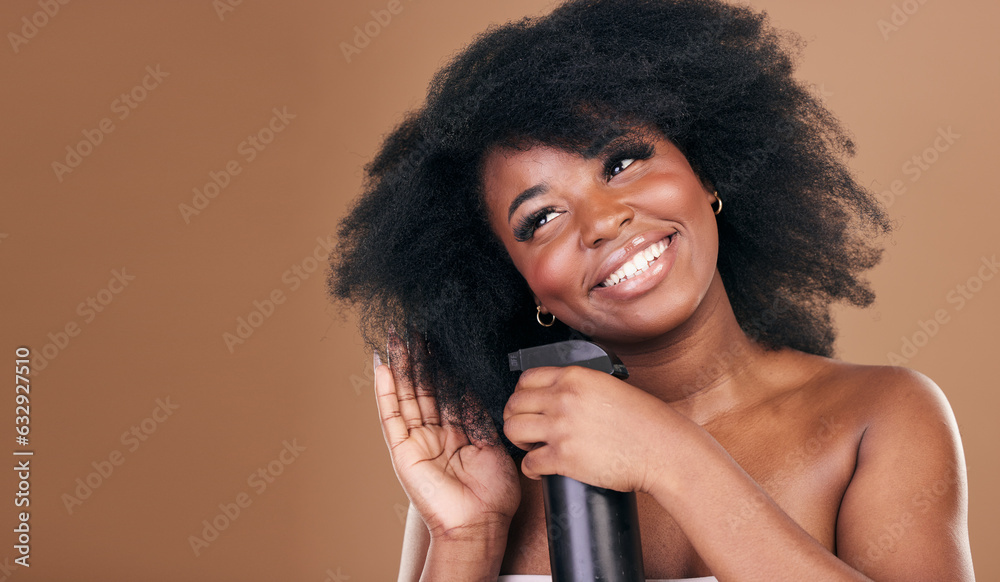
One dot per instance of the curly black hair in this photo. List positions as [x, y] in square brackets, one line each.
[416, 252]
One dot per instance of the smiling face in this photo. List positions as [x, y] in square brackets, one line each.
[621, 246]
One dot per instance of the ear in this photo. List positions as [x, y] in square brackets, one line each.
[710, 195]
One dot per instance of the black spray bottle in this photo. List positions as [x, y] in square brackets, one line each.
[593, 532]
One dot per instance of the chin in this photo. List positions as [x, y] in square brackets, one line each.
[634, 332]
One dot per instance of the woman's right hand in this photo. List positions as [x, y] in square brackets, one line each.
[462, 487]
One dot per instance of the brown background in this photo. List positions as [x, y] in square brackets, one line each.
[334, 511]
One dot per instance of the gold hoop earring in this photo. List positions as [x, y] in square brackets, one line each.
[719, 200]
[538, 317]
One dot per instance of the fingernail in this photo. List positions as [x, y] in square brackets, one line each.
[376, 360]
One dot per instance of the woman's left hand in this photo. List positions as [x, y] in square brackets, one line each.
[589, 426]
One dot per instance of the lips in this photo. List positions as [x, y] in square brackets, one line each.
[635, 258]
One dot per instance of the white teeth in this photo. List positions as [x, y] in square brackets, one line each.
[638, 264]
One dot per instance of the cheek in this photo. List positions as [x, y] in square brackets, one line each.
[707, 255]
[552, 273]
[705, 246]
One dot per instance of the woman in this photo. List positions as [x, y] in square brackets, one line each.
[648, 175]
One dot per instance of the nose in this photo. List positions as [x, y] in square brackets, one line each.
[602, 218]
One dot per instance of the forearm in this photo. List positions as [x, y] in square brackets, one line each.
[416, 541]
[476, 558]
[738, 530]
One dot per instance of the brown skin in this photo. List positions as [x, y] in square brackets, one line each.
[751, 464]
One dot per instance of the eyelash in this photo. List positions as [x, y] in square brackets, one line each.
[635, 151]
[527, 226]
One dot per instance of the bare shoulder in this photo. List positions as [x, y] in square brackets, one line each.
[877, 395]
[904, 513]
[888, 408]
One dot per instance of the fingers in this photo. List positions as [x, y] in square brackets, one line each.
[426, 401]
[526, 431]
[553, 389]
[547, 376]
[533, 393]
[402, 372]
[552, 459]
[539, 461]
[393, 427]
[524, 420]
[405, 400]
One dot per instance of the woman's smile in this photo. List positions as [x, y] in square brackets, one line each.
[623, 243]
[637, 262]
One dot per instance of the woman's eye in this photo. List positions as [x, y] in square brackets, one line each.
[622, 157]
[545, 218]
[528, 225]
[620, 167]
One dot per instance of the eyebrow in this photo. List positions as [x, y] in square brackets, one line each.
[595, 149]
[603, 141]
[523, 197]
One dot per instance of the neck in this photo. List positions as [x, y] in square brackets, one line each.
[707, 352]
